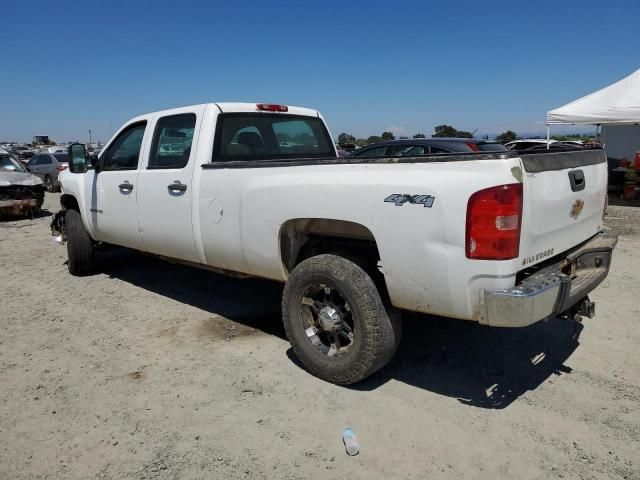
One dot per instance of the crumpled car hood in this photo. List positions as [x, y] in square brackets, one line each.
[19, 178]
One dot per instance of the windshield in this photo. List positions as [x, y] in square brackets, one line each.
[259, 136]
[10, 164]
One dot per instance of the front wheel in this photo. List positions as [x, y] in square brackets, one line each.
[80, 248]
[336, 321]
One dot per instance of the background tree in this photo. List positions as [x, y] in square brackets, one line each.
[361, 142]
[449, 131]
[346, 138]
[445, 131]
[404, 138]
[507, 136]
[388, 136]
[374, 139]
[419, 135]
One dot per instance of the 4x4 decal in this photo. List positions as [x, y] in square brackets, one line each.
[399, 199]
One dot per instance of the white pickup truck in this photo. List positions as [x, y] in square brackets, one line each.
[500, 238]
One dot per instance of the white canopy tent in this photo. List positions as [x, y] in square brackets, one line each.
[617, 104]
[616, 108]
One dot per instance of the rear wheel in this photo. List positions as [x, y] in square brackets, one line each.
[80, 248]
[48, 184]
[336, 321]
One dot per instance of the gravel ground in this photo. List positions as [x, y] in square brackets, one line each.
[152, 370]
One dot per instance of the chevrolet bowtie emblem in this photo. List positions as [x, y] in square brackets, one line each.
[576, 208]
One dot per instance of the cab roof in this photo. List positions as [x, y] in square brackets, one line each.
[236, 107]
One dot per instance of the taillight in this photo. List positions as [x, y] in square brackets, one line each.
[494, 216]
[473, 146]
[60, 168]
[270, 107]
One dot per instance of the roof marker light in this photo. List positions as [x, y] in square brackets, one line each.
[271, 107]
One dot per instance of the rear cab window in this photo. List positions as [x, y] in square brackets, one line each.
[264, 136]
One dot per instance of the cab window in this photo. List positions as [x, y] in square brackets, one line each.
[124, 153]
[171, 147]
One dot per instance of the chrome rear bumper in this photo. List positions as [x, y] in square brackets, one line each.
[553, 289]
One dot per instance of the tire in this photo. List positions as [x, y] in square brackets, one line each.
[312, 293]
[80, 249]
[48, 184]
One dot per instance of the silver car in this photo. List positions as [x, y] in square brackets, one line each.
[20, 191]
[48, 166]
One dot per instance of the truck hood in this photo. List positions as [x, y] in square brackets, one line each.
[19, 178]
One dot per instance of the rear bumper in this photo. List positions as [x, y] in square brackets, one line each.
[553, 289]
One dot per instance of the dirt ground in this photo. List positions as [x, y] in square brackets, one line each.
[152, 370]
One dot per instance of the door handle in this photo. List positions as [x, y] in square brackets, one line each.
[177, 186]
[125, 186]
[577, 180]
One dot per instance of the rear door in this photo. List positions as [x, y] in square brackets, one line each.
[564, 197]
[166, 186]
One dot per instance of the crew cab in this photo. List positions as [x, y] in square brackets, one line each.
[498, 237]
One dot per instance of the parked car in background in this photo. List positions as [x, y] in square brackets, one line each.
[22, 152]
[425, 146]
[527, 143]
[557, 147]
[25, 155]
[349, 147]
[20, 191]
[54, 149]
[341, 152]
[48, 166]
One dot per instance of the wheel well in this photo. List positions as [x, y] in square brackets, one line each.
[69, 202]
[305, 237]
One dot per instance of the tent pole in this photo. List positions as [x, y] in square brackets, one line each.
[548, 133]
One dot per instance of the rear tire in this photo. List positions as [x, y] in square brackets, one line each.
[323, 293]
[80, 248]
[48, 184]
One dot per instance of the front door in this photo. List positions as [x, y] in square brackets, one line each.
[166, 189]
[116, 186]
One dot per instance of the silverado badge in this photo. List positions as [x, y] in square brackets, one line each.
[576, 208]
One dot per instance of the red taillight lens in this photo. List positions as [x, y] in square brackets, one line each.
[473, 146]
[494, 216]
[270, 107]
[60, 168]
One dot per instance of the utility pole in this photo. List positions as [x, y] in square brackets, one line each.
[90, 142]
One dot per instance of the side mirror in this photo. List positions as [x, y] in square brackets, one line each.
[77, 158]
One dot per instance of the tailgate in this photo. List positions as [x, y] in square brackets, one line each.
[563, 202]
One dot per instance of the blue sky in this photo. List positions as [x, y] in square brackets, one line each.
[70, 66]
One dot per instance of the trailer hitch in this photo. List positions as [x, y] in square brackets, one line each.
[584, 308]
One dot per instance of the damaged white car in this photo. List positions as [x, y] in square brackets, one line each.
[21, 192]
